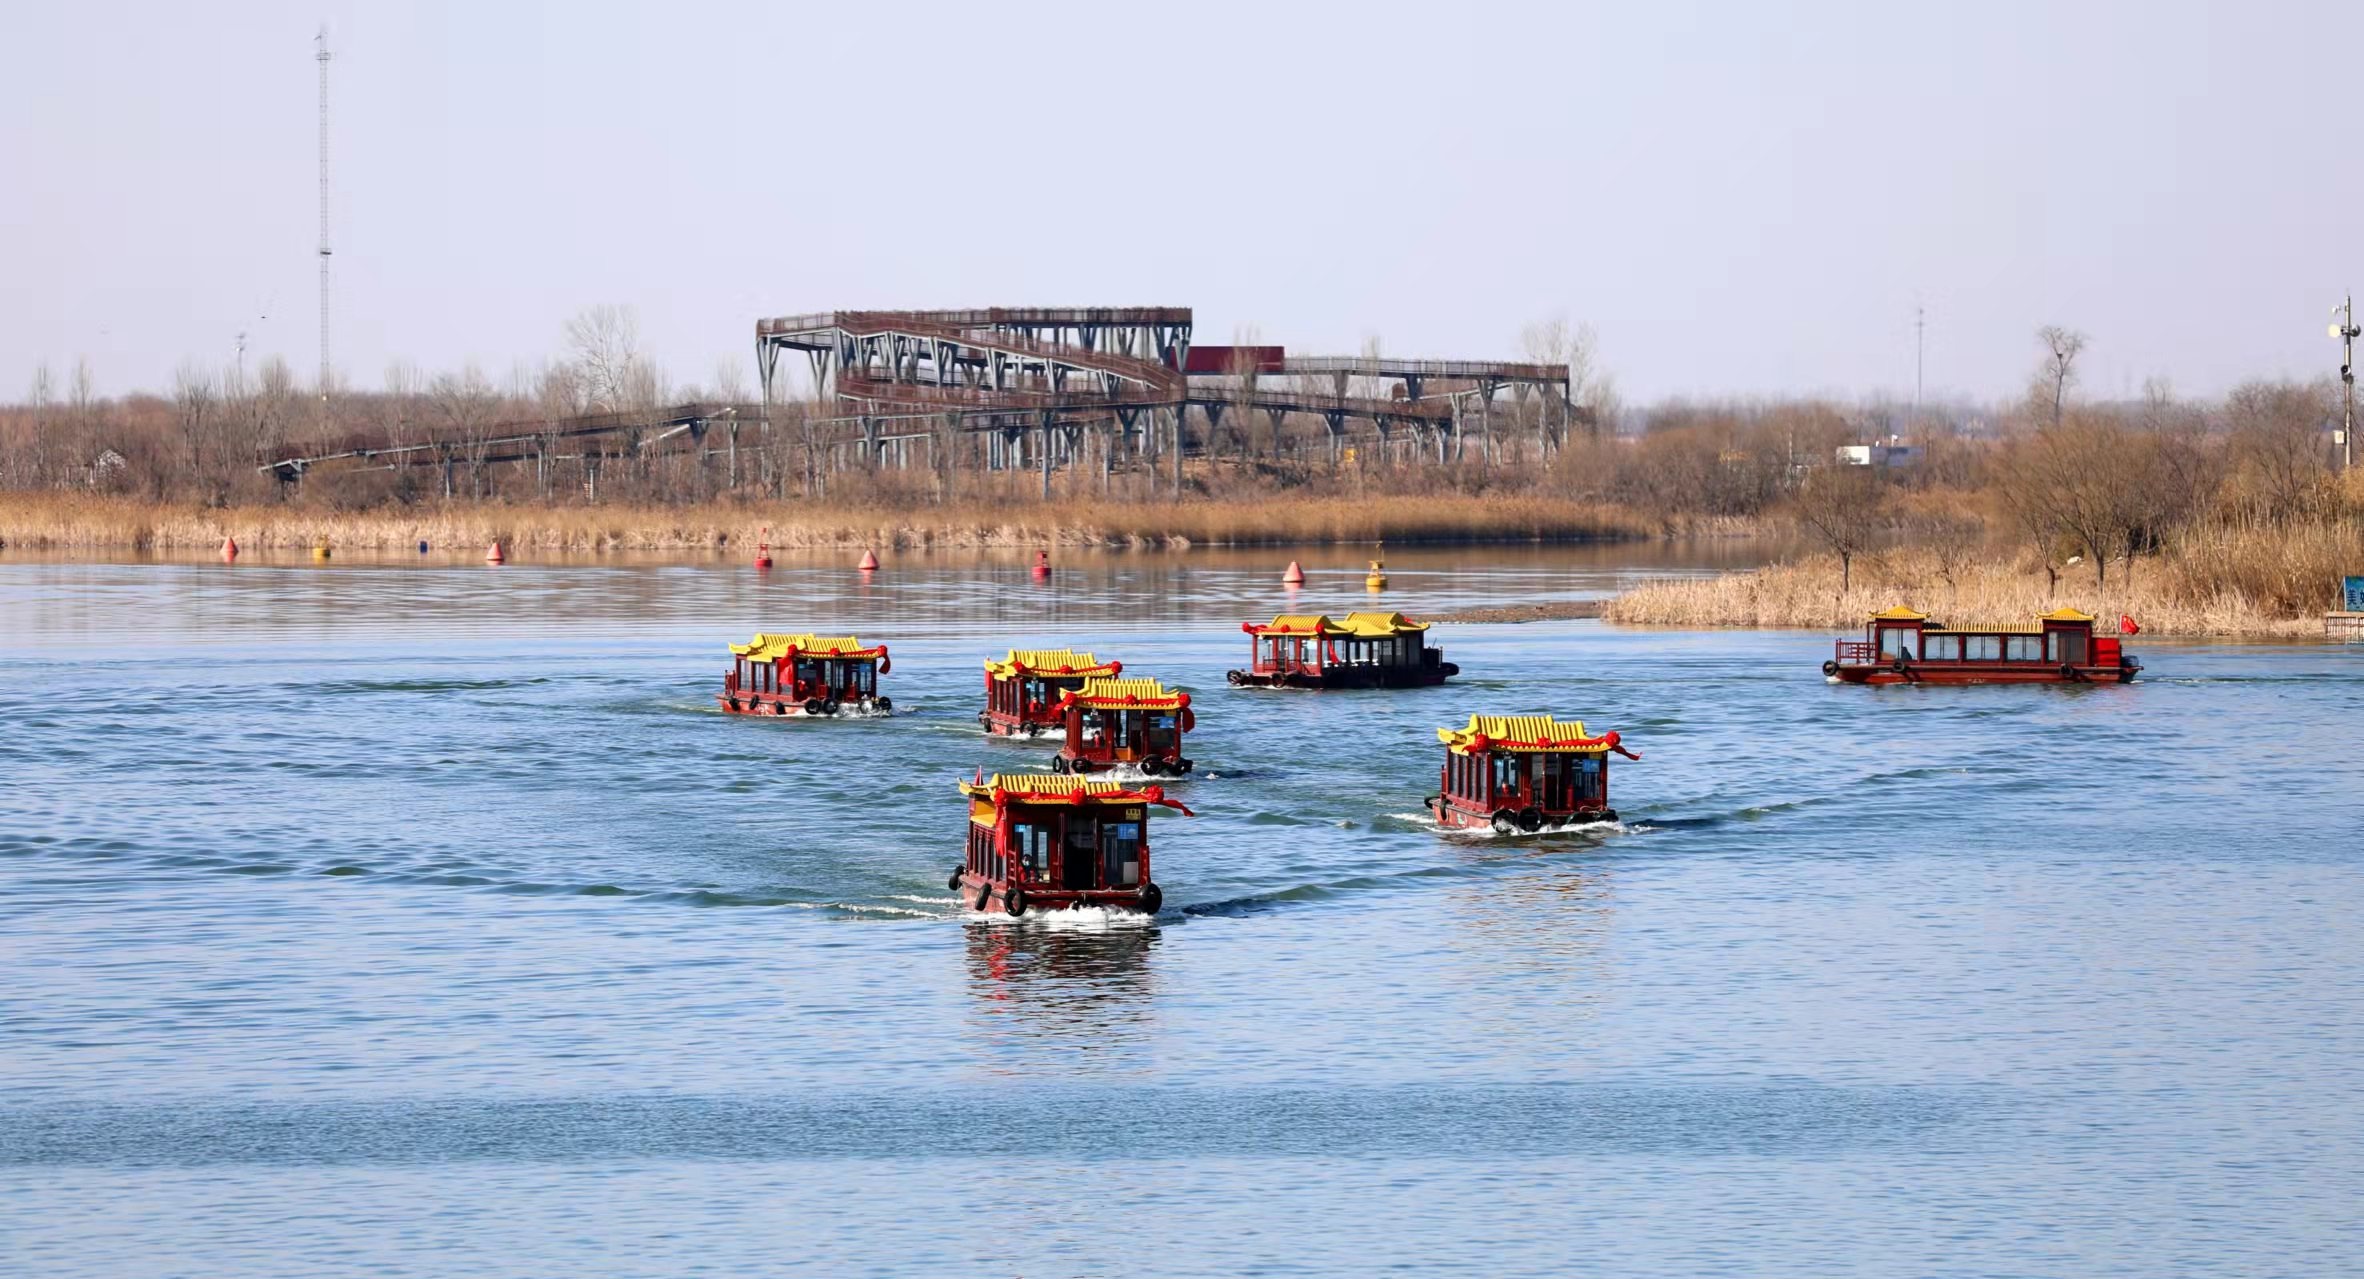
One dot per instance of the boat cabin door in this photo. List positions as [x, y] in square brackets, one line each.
[1079, 852]
[1901, 641]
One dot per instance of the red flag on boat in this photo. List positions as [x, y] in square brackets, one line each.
[2126, 625]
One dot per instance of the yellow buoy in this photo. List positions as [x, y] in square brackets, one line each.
[1377, 581]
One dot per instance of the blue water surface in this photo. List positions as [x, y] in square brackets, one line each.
[429, 919]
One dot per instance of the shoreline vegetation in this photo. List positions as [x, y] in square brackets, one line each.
[2264, 584]
[54, 521]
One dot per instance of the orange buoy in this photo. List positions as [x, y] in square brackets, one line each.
[229, 549]
[492, 554]
[1294, 577]
[869, 562]
[1042, 564]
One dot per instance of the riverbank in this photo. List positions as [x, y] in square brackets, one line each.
[45, 521]
[2195, 591]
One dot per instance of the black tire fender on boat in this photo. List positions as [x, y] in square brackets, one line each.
[812, 705]
[2068, 671]
[1185, 765]
[1830, 668]
[779, 708]
[953, 884]
[1152, 766]
[883, 705]
[1530, 819]
[1153, 899]
[1608, 815]
[1079, 767]
[1505, 821]
[1059, 764]
[1236, 678]
[830, 707]
[984, 895]
[1014, 901]
[1450, 669]
[1900, 666]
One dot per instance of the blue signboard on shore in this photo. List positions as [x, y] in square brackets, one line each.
[2355, 594]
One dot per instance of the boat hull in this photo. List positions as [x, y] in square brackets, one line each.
[1021, 729]
[1454, 816]
[1979, 673]
[992, 897]
[1349, 677]
[772, 706]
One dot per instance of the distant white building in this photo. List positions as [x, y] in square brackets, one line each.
[1893, 452]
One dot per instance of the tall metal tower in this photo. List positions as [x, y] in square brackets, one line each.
[320, 42]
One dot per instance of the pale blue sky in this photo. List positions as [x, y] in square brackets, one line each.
[1740, 199]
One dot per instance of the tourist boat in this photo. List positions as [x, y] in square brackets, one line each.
[1365, 650]
[1901, 646]
[805, 675]
[1039, 842]
[1022, 691]
[1521, 773]
[1116, 723]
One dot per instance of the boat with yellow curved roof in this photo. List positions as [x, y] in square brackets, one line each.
[1361, 650]
[1522, 773]
[1022, 690]
[1903, 646]
[1125, 723]
[806, 674]
[1039, 842]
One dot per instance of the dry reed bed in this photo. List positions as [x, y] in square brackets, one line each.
[2256, 583]
[91, 522]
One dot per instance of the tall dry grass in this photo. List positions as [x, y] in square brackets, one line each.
[2258, 582]
[63, 521]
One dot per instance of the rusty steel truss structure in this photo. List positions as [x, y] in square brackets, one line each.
[1012, 388]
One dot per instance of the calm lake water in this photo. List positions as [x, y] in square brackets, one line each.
[427, 919]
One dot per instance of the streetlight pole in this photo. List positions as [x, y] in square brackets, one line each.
[2347, 333]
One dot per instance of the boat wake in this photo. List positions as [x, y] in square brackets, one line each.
[1428, 821]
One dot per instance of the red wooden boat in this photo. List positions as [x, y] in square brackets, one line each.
[1365, 650]
[1038, 842]
[1112, 723]
[1022, 691]
[1901, 646]
[1523, 773]
[805, 675]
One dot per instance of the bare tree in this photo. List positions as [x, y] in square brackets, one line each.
[195, 396]
[2058, 372]
[605, 342]
[465, 404]
[1841, 506]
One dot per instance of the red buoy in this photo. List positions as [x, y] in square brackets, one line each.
[763, 549]
[229, 549]
[492, 554]
[869, 562]
[1042, 564]
[1294, 577]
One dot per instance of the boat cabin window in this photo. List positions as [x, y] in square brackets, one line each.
[2023, 648]
[2067, 647]
[1569, 781]
[1898, 641]
[1941, 648]
[807, 670]
[1508, 772]
[1030, 848]
[1982, 648]
[1120, 854]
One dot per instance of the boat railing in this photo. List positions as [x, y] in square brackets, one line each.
[1858, 651]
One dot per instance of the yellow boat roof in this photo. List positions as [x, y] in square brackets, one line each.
[1526, 733]
[1049, 661]
[1899, 614]
[1129, 692]
[771, 646]
[2065, 615]
[1355, 625]
[1054, 788]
